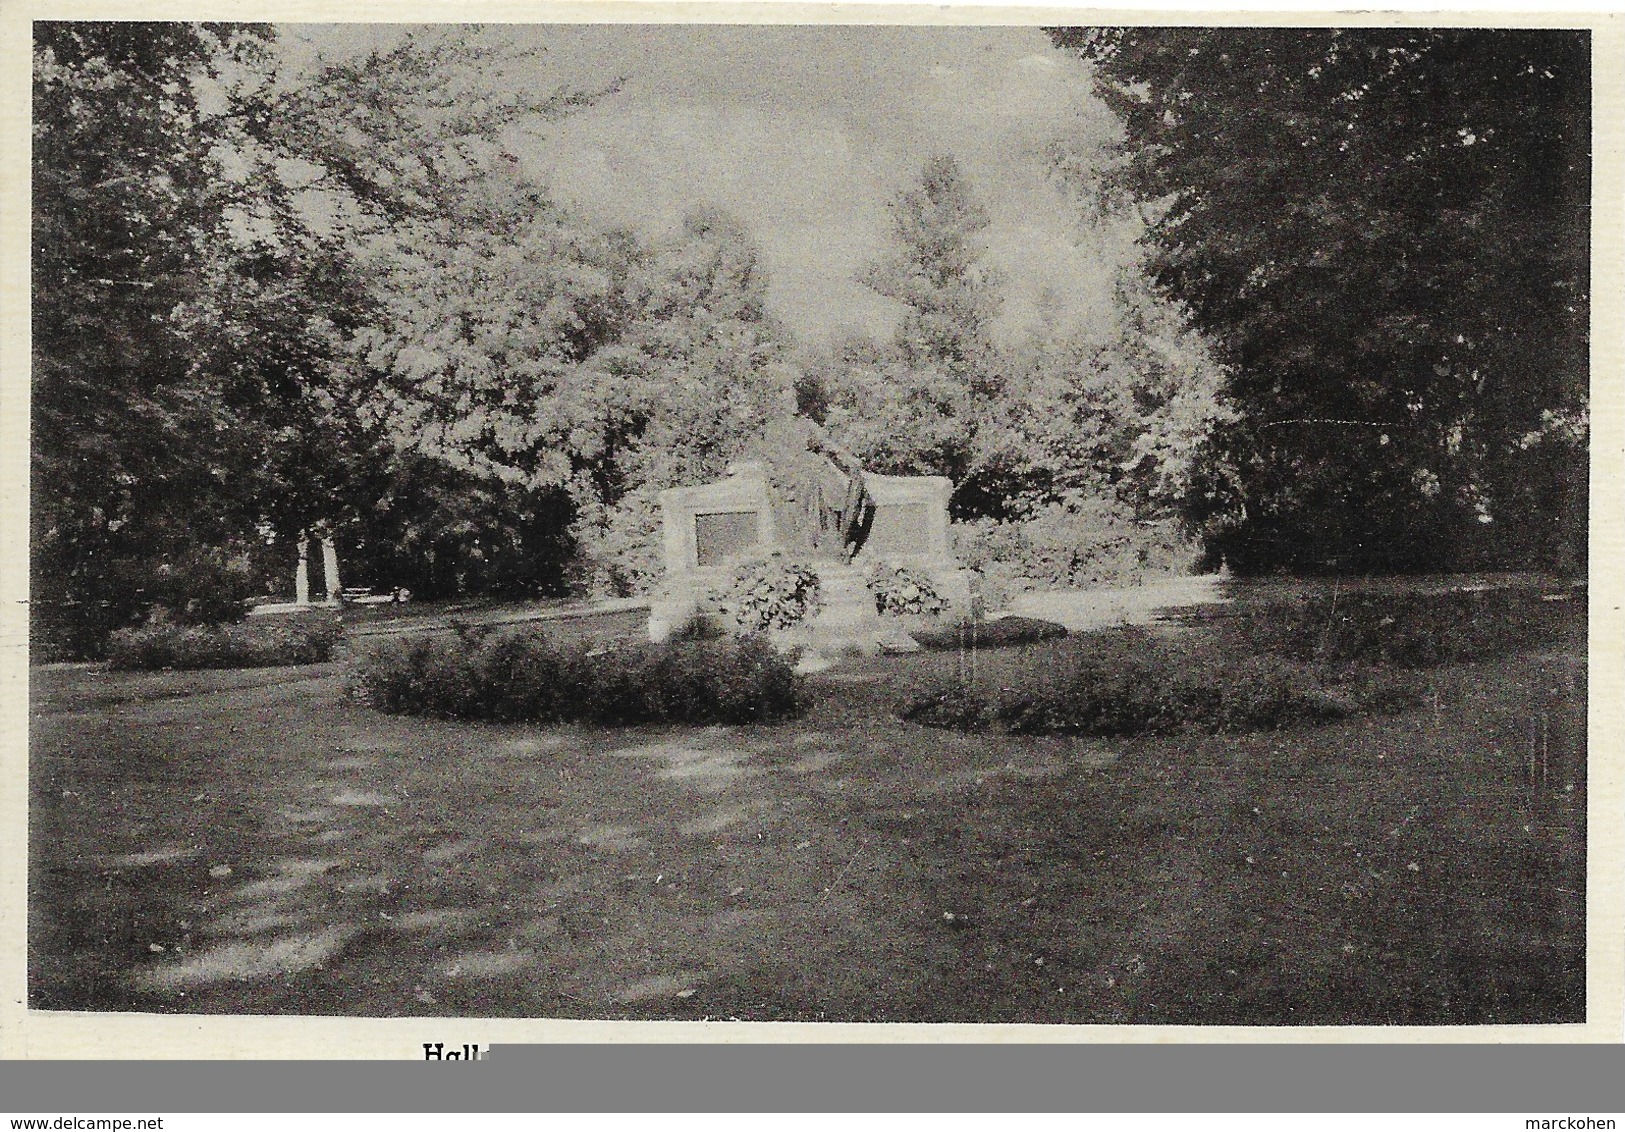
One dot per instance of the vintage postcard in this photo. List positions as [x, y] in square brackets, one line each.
[771, 523]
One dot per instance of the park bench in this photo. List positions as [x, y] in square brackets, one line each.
[363, 595]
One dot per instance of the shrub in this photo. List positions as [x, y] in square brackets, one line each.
[1129, 683]
[769, 593]
[1277, 665]
[998, 633]
[1380, 691]
[73, 618]
[69, 630]
[699, 626]
[425, 675]
[261, 643]
[1116, 686]
[902, 592]
[1407, 630]
[204, 586]
[955, 705]
[1261, 693]
[524, 675]
[1090, 543]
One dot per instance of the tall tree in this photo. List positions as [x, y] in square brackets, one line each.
[205, 229]
[925, 402]
[402, 153]
[173, 333]
[936, 272]
[698, 371]
[1121, 407]
[1385, 231]
[536, 358]
[1112, 401]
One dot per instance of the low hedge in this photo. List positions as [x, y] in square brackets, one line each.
[997, 633]
[1130, 683]
[1407, 630]
[1274, 665]
[259, 643]
[523, 675]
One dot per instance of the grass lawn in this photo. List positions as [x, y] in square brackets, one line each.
[258, 842]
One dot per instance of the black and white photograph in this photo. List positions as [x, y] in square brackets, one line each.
[810, 523]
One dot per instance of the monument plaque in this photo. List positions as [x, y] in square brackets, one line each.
[720, 535]
[911, 522]
[901, 529]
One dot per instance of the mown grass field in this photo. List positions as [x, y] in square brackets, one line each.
[262, 843]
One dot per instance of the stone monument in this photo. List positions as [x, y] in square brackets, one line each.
[801, 495]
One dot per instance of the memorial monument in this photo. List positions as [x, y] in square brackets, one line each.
[821, 506]
[799, 494]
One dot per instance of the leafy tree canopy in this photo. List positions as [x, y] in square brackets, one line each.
[1385, 233]
[202, 227]
[557, 357]
[175, 328]
[918, 404]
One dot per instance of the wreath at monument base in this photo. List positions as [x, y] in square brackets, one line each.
[769, 594]
[902, 592]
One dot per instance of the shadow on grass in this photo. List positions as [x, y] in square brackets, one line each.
[281, 849]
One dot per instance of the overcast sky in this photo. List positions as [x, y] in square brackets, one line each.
[804, 134]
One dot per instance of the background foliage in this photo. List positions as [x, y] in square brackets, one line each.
[1341, 321]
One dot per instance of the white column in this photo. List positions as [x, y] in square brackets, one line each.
[330, 568]
[301, 577]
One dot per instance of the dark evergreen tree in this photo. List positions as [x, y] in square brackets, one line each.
[925, 402]
[1385, 232]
